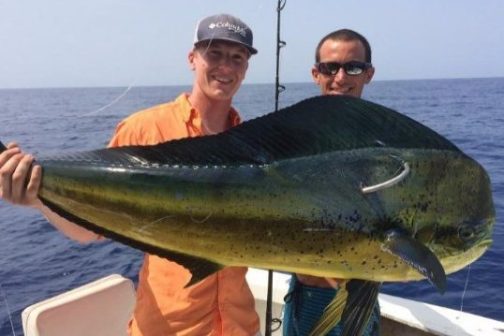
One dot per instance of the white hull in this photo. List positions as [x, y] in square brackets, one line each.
[103, 308]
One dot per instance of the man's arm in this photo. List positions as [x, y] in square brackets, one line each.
[16, 168]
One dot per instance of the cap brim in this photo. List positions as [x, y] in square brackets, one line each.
[252, 50]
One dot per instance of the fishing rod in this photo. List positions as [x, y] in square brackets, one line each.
[278, 89]
[279, 45]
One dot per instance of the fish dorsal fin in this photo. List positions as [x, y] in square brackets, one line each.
[313, 126]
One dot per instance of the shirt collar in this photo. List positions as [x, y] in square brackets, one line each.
[190, 114]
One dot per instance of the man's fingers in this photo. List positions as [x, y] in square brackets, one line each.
[34, 184]
[19, 182]
[12, 145]
[19, 179]
[6, 155]
[6, 171]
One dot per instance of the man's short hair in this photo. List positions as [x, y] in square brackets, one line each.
[345, 35]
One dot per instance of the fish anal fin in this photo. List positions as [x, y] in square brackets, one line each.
[199, 268]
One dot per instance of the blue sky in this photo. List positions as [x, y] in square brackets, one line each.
[60, 43]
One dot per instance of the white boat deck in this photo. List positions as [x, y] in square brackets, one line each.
[103, 308]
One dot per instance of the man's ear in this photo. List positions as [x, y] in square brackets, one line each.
[369, 74]
[315, 75]
[190, 59]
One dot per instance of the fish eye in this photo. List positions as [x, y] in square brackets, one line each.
[466, 232]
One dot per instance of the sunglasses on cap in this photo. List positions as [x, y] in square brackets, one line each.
[352, 68]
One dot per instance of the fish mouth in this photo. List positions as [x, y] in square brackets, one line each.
[486, 243]
[456, 262]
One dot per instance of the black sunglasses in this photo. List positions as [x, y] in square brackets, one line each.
[352, 68]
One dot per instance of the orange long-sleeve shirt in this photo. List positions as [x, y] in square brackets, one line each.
[221, 304]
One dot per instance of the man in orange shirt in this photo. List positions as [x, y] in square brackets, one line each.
[221, 304]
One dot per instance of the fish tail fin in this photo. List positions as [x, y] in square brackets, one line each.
[332, 313]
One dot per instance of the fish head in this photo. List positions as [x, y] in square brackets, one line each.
[449, 206]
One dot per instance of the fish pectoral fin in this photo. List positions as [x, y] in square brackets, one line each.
[417, 255]
[351, 307]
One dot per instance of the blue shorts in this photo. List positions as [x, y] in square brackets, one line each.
[304, 305]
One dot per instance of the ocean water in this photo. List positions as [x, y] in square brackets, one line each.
[37, 262]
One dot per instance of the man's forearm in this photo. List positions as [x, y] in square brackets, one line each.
[69, 229]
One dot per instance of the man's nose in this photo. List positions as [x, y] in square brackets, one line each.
[226, 60]
[340, 75]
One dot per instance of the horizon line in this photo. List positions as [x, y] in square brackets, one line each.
[244, 84]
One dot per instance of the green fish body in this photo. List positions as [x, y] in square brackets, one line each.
[332, 187]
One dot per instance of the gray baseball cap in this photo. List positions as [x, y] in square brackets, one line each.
[224, 27]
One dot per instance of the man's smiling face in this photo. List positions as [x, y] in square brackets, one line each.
[342, 51]
[219, 67]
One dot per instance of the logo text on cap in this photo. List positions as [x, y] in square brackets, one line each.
[229, 26]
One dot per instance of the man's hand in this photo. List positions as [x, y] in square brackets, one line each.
[19, 179]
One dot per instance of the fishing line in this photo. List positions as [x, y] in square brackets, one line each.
[114, 101]
[465, 288]
[146, 226]
[4, 296]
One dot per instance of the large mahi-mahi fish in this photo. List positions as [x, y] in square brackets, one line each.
[332, 187]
